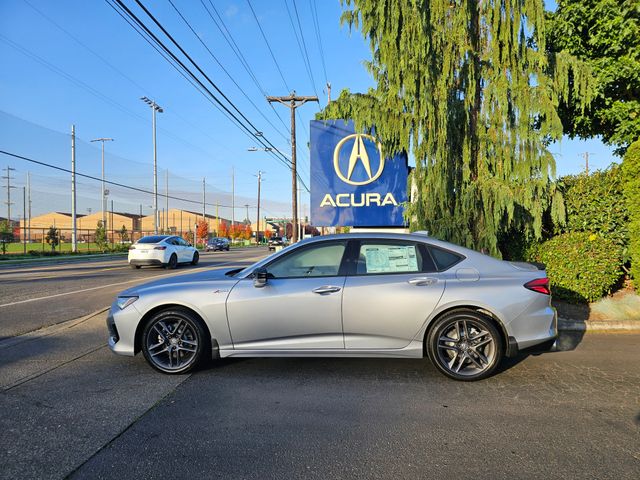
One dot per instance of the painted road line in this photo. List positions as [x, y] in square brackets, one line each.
[29, 300]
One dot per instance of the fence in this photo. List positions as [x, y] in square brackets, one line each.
[52, 241]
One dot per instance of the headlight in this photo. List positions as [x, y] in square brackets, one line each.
[124, 302]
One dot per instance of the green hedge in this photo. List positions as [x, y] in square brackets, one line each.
[631, 170]
[593, 203]
[582, 266]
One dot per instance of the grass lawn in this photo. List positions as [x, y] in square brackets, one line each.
[17, 248]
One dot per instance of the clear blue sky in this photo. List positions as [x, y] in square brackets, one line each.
[50, 80]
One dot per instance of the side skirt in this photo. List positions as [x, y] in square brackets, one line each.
[413, 350]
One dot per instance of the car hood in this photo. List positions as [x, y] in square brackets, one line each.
[179, 282]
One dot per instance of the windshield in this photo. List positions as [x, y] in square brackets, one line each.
[152, 239]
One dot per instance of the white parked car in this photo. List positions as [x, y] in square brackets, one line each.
[163, 250]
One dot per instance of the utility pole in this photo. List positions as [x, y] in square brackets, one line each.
[74, 238]
[328, 92]
[154, 108]
[166, 177]
[233, 196]
[9, 187]
[258, 213]
[292, 101]
[24, 220]
[217, 220]
[585, 155]
[204, 207]
[29, 200]
[104, 191]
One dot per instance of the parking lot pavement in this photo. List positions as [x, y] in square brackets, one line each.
[563, 415]
[65, 395]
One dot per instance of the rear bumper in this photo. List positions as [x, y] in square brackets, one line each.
[534, 332]
[142, 262]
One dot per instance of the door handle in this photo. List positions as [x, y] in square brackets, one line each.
[326, 289]
[422, 281]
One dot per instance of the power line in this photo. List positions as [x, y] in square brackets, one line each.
[226, 34]
[118, 71]
[117, 184]
[316, 24]
[91, 90]
[264, 37]
[303, 52]
[225, 70]
[252, 132]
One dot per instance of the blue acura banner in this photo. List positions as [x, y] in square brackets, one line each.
[353, 183]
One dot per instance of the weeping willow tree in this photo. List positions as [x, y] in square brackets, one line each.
[469, 89]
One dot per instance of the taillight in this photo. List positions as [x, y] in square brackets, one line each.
[159, 248]
[540, 285]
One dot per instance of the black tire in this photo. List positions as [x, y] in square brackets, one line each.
[134, 266]
[465, 345]
[175, 341]
[173, 262]
[195, 259]
[227, 249]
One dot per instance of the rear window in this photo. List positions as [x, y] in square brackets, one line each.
[444, 259]
[152, 239]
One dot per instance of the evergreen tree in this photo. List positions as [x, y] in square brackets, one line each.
[468, 87]
[606, 35]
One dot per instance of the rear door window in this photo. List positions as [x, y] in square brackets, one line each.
[444, 259]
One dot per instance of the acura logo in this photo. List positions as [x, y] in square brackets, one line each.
[358, 154]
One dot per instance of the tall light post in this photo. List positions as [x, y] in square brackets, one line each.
[154, 108]
[104, 191]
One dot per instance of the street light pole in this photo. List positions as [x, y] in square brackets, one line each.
[104, 194]
[154, 108]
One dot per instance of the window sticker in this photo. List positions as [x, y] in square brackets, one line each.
[390, 258]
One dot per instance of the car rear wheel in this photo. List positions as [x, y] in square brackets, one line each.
[465, 345]
[173, 262]
[135, 266]
[196, 257]
[174, 341]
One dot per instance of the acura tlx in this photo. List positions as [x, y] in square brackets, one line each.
[352, 295]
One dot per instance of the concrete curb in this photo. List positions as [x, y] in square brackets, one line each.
[612, 326]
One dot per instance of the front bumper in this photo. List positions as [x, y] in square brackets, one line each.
[122, 325]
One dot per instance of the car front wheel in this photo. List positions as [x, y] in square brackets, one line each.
[465, 345]
[174, 341]
[195, 259]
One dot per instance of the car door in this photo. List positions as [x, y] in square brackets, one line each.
[391, 289]
[299, 308]
[186, 250]
[175, 248]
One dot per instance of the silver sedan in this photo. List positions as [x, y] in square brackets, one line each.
[353, 295]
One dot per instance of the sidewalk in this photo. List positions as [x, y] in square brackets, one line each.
[598, 326]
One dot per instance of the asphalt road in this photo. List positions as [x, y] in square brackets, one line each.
[33, 297]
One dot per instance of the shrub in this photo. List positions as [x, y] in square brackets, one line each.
[593, 204]
[582, 266]
[631, 172]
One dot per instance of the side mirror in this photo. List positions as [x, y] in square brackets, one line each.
[260, 277]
